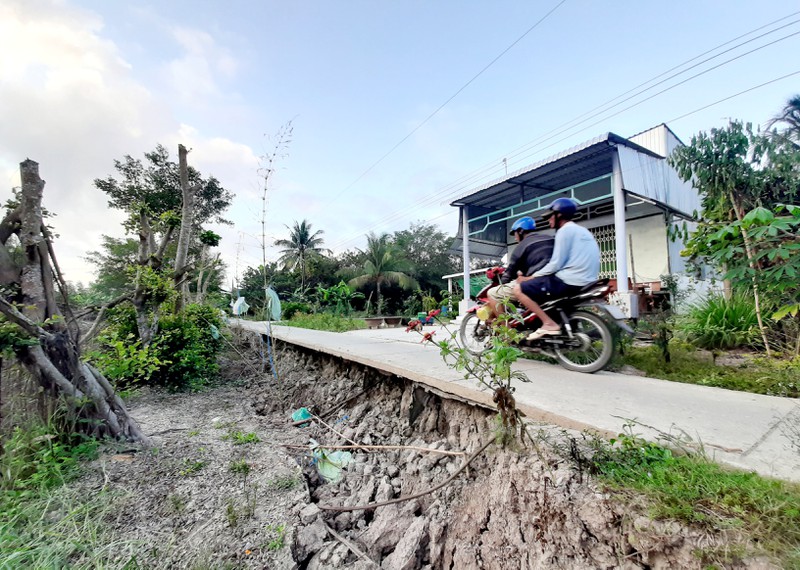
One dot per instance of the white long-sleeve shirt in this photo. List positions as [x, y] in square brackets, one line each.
[576, 256]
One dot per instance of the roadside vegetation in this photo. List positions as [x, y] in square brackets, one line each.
[693, 490]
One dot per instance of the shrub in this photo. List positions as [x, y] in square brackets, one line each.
[292, 307]
[719, 323]
[182, 355]
[326, 322]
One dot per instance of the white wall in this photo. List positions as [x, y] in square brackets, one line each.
[649, 253]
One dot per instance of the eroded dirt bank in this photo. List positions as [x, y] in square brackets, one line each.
[188, 506]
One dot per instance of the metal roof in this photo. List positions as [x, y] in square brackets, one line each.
[586, 161]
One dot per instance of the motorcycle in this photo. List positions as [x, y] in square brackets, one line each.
[586, 342]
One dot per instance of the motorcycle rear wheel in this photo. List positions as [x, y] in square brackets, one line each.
[474, 337]
[594, 344]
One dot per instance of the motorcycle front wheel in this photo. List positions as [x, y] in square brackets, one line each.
[591, 347]
[474, 336]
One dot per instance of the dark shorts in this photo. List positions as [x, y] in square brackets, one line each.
[547, 287]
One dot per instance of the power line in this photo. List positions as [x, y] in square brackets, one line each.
[559, 130]
[453, 96]
[494, 166]
[672, 120]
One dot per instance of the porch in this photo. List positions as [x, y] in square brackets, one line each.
[628, 196]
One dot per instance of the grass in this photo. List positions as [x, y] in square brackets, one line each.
[325, 322]
[191, 467]
[278, 541]
[693, 490]
[44, 523]
[760, 376]
[284, 483]
[241, 438]
[241, 467]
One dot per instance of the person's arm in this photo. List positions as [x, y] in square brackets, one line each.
[511, 269]
[559, 256]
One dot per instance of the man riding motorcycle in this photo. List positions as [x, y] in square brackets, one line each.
[532, 252]
[575, 263]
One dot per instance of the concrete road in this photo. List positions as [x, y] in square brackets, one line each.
[749, 431]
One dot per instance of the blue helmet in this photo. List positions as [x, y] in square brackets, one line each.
[526, 224]
[564, 206]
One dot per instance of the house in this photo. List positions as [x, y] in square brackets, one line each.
[628, 196]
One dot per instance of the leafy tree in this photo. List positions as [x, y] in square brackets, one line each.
[789, 117]
[155, 194]
[429, 249]
[384, 265]
[301, 245]
[112, 260]
[736, 171]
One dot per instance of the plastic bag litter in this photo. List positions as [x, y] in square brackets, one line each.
[330, 463]
[301, 414]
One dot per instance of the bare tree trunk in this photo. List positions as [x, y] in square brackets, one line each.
[55, 362]
[748, 249]
[185, 234]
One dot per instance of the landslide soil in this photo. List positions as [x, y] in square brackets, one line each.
[190, 502]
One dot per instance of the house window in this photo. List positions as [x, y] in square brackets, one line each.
[606, 237]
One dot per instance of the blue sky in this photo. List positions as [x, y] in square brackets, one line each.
[85, 82]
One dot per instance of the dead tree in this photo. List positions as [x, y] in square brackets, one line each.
[185, 234]
[55, 359]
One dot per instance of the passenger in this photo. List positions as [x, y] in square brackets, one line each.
[575, 264]
[533, 251]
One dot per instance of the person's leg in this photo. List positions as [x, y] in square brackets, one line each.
[533, 292]
[533, 306]
[496, 300]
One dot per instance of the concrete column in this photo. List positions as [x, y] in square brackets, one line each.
[619, 225]
[465, 302]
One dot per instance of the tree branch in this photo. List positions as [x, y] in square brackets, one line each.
[92, 332]
[10, 224]
[23, 322]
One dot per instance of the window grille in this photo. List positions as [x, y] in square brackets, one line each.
[606, 237]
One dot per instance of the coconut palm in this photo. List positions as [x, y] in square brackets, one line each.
[789, 117]
[384, 265]
[302, 244]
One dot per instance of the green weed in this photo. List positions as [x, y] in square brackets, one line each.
[241, 438]
[720, 323]
[325, 322]
[278, 541]
[241, 467]
[178, 503]
[694, 490]
[194, 433]
[760, 376]
[284, 483]
[191, 467]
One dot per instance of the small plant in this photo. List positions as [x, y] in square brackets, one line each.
[231, 514]
[191, 467]
[326, 322]
[178, 503]
[284, 483]
[241, 438]
[194, 433]
[720, 323]
[277, 542]
[241, 467]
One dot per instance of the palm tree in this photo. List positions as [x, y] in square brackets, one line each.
[383, 265]
[790, 117]
[300, 245]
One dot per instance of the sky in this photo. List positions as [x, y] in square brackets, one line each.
[396, 107]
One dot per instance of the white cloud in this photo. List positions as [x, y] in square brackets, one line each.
[196, 73]
[70, 101]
